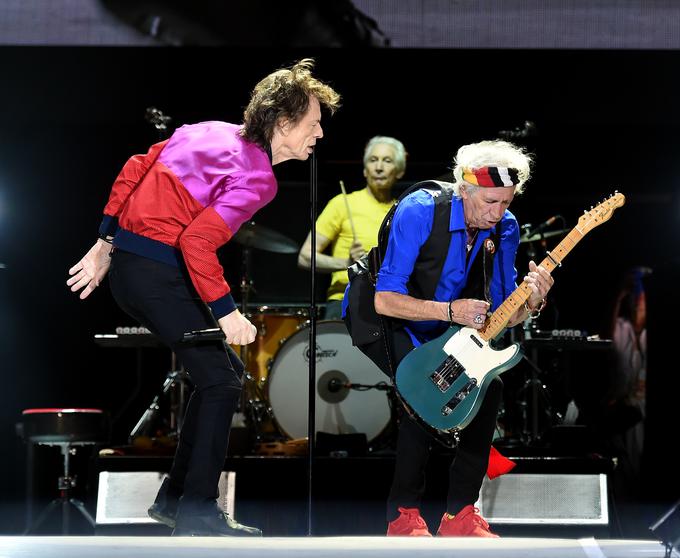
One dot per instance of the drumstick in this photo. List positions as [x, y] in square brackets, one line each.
[349, 213]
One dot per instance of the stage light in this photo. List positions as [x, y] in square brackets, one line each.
[667, 529]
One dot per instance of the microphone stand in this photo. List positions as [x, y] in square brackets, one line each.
[311, 427]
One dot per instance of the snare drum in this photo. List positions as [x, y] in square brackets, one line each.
[339, 410]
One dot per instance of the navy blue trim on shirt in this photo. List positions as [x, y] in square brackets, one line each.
[148, 247]
[109, 226]
[222, 306]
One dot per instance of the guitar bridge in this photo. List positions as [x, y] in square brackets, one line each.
[460, 395]
[447, 373]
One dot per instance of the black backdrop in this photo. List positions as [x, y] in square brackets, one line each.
[71, 116]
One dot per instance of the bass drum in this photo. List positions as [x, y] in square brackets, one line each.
[339, 409]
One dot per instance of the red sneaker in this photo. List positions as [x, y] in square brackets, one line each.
[466, 523]
[408, 524]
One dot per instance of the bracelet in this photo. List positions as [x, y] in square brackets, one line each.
[450, 312]
[536, 312]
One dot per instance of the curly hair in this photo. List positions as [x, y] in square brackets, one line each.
[284, 94]
[491, 153]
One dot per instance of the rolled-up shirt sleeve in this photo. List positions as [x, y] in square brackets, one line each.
[410, 229]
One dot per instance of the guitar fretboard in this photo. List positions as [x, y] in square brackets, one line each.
[500, 318]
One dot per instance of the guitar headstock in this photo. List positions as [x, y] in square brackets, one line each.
[600, 213]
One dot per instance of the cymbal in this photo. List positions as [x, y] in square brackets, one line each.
[262, 238]
[539, 236]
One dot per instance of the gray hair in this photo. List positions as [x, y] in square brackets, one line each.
[399, 151]
[491, 153]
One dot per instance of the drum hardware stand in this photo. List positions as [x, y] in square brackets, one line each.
[259, 413]
[388, 437]
[176, 386]
[254, 407]
[533, 387]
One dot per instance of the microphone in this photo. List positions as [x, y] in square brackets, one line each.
[199, 335]
[335, 385]
[528, 130]
[543, 225]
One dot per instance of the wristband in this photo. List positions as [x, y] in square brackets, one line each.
[536, 312]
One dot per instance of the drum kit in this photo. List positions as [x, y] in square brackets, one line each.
[351, 393]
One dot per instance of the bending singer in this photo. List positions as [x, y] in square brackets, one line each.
[168, 212]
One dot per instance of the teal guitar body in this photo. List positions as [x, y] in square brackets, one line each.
[444, 380]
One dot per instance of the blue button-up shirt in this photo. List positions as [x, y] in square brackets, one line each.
[411, 228]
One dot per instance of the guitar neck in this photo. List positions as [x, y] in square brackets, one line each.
[500, 318]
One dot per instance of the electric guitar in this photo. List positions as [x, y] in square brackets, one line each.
[444, 380]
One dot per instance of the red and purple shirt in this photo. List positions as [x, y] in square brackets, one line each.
[188, 196]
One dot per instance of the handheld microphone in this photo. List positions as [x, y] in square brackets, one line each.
[196, 336]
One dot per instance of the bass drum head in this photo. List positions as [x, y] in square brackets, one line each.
[339, 410]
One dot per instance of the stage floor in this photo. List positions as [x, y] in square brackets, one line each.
[326, 547]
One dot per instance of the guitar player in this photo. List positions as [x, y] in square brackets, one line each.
[450, 258]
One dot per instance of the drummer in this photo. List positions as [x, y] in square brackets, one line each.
[348, 225]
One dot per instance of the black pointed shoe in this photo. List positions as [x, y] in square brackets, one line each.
[162, 515]
[164, 508]
[214, 523]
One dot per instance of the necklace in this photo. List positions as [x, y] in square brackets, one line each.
[470, 239]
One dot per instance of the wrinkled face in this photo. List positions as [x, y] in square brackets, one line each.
[381, 170]
[298, 140]
[485, 207]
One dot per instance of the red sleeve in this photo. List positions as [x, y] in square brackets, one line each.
[199, 243]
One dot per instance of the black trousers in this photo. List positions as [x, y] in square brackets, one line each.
[162, 298]
[414, 444]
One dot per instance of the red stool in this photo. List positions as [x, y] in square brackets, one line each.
[66, 428]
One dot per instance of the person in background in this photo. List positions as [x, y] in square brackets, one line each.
[349, 224]
[626, 396]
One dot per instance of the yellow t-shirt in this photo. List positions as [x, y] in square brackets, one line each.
[367, 214]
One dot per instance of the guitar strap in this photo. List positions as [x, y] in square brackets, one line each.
[478, 283]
